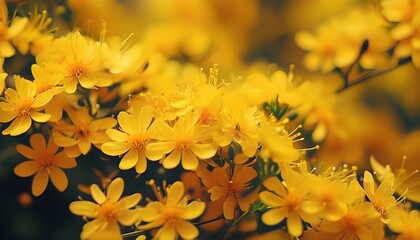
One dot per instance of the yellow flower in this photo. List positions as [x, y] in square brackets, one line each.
[79, 59]
[22, 106]
[407, 224]
[172, 214]
[287, 201]
[7, 32]
[107, 211]
[186, 142]
[77, 137]
[360, 222]
[233, 189]
[131, 140]
[45, 163]
[239, 123]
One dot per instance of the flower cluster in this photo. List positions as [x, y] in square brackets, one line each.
[260, 152]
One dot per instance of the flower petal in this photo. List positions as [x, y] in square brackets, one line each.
[274, 184]
[40, 182]
[103, 123]
[204, 151]
[42, 99]
[189, 160]
[58, 178]
[128, 217]
[61, 160]
[193, 210]
[172, 160]
[141, 165]
[115, 148]
[40, 117]
[174, 193]
[129, 160]
[125, 122]
[64, 141]
[270, 199]
[294, 224]
[97, 194]
[186, 229]
[84, 208]
[274, 216]
[156, 150]
[25, 151]
[115, 190]
[117, 136]
[26, 169]
[229, 207]
[129, 201]
[167, 232]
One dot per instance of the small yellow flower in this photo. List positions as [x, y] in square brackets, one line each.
[7, 32]
[107, 211]
[172, 214]
[233, 189]
[45, 163]
[22, 106]
[78, 137]
[131, 140]
[186, 142]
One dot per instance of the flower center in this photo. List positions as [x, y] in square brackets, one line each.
[292, 201]
[171, 213]
[77, 70]
[139, 141]
[183, 142]
[44, 159]
[107, 210]
[24, 107]
[82, 131]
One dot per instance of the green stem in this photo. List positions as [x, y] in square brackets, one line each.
[132, 234]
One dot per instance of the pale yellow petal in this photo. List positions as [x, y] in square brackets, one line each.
[84, 208]
[40, 182]
[189, 160]
[174, 193]
[115, 148]
[186, 229]
[172, 160]
[58, 178]
[115, 190]
[193, 210]
[26, 169]
[129, 160]
[97, 194]
[156, 150]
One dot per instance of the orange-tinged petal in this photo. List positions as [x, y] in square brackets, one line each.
[115, 148]
[42, 99]
[61, 160]
[72, 151]
[129, 160]
[64, 141]
[189, 160]
[270, 199]
[84, 145]
[115, 190]
[40, 182]
[26, 169]
[129, 201]
[244, 175]
[294, 224]
[40, 117]
[229, 207]
[193, 210]
[204, 151]
[172, 160]
[156, 150]
[274, 184]
[217, 192]
[174, 193]
[97, 194]
[84, 208]
[38, 142]
[363, 232]
[186, 229]
[58, 178]
[52, 148]
[25, 151]
[117, 136]
[103, 123]
[274, 216]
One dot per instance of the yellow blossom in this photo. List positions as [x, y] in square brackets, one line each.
[286, 200]
[22, 106]
[172, 214]
[406, 223]
[45, 162]
[186, 142]
[131, 139]
[233, 189]
[83, 131]
[107, 211]
[7, 33]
